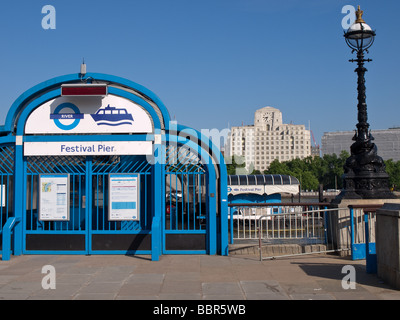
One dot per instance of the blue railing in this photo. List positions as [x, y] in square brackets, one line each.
[6, 237]
[363, 246]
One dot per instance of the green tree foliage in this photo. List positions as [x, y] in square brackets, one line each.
[393, 170]
[233, 163]
[311, 172]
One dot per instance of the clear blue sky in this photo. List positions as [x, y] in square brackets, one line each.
[212, 62]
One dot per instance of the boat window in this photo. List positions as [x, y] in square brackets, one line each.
[107, 111]
[234, 180]
[268, 180]
[286, 179]
[243, 180]
[252, 180]
[277, 179]
[260, 179]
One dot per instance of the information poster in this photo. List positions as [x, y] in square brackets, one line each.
[54, 197]
[123, 197]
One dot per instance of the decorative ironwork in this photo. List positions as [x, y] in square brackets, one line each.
[364, 171]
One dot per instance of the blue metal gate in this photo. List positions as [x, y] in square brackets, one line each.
[89, 229]
[186, 204]
[363, 246]
[6, 184]
[186, 216]
[56, 236]
[119, 236]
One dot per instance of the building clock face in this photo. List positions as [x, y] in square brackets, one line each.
[267, 117]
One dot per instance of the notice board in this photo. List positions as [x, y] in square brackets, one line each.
[54, 197]
[123, 196]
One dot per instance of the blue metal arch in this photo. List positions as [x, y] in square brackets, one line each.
[210, 155]
[57, 92]
[50, 89]
[20, 103]
[210, 170]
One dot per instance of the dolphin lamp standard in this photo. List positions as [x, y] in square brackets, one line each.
[364, 171]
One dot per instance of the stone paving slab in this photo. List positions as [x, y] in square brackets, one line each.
[193, 277]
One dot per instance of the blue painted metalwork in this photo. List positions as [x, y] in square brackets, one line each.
[20, 103]
[370, 249]
[202, 177]
[365, 250]
[185, 197]
[6, 182]
[57, 92]
[6, 237]
[6, 185]
[212, 156]
[101, 167]
[6, 194]
[89, 197]
[76, 167]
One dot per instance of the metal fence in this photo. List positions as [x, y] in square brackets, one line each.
[243, 218]
[289, 229]
[363, 221]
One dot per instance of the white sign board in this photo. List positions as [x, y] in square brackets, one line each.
[87, 148]
[69, 115]
[54, 197]
[123, 197]
[246, 189]
[3, 195]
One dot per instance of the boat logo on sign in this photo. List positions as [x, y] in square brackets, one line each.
[112, 116]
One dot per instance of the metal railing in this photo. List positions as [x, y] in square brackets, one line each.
[363, 221]
[290, 228]
[311, 232]
[243, 217]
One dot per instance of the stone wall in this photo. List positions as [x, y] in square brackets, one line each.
[341, 222]
[388, 244]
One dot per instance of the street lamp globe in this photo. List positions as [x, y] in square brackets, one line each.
[359, 36]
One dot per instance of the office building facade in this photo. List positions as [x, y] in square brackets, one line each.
[268, 139]
[387, 141]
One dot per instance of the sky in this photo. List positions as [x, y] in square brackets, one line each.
[213, 63]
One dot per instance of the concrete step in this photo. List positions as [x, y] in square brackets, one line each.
[275, 249]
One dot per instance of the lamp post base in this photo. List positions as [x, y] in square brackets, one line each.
[365, 176]
[366, 185]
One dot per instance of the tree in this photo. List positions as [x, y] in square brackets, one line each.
[313, 171]
[297, 168]
[393, 170]
[233, 163]
[277, 167]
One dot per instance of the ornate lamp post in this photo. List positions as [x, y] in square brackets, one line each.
[364, 172]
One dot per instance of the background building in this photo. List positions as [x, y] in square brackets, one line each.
[268, 139]
[387, 141]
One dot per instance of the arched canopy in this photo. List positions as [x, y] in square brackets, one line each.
[51, 89]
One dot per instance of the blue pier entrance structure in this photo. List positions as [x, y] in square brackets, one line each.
[93, 165]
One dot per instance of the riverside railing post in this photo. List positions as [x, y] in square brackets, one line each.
[370, 258]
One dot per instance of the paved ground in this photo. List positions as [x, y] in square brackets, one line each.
[187, 277]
